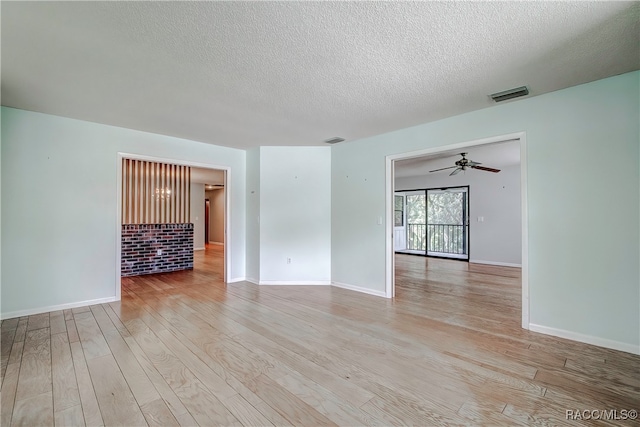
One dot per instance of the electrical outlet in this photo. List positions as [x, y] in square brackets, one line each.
[159, 252]
[288, 260]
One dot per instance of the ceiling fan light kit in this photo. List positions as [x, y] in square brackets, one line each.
[464, 163]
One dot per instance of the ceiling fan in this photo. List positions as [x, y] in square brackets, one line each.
[465, 163]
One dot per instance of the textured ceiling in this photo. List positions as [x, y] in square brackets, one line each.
[245, 74]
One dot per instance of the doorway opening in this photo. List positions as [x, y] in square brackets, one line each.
[515, 244]
[180, 187]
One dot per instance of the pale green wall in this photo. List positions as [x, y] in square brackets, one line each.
[295, 214]
[583, 199]
[59, 205]
[289, 215]
[253, 215]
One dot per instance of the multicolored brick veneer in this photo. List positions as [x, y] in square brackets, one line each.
[156, 248]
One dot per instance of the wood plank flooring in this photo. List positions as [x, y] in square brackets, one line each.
[185, 349]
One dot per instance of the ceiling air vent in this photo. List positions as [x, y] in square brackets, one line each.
[334, 140]
[510, 94]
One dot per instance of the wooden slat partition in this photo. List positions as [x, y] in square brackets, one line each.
[155, 193]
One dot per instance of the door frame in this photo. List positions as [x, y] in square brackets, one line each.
[207, 210]
[390, 286]
[227, 209]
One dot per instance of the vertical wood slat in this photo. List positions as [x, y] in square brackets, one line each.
[182, 207]
[178, 194]
[134, 192]
[140, 195]
[144, 193]
[129, 195]
[171, 200]
[156, 201]
[152, 198]
[155, 193]
[159, 194]
[174, 195]
[164, 200]
[163, 203]
[122, 192]
[181, 195]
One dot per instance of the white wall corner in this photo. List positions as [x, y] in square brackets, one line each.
[587, 339]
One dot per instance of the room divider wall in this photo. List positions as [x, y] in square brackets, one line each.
[157, 236]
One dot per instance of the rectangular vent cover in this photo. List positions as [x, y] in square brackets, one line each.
[334, 140]
[510, 94]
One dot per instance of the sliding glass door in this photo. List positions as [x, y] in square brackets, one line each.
[447, 225]
[436, 222]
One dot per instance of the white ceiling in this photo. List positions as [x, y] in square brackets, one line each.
[497, 156]
[245, 74]
[207, 176]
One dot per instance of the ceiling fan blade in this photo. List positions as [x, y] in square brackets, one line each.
[483, 168]
[471, 163]
[455, 171]
[450, 167]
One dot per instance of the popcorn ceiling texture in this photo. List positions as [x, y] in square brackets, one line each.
[246, 74]
[141, 242]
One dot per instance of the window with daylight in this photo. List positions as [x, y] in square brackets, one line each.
[399, 211]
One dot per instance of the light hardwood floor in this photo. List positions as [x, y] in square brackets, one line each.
[184, 349]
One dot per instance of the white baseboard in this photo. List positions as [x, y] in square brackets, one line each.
[47, 309]
[243, 279]
[295, 282]
[501, 264]
[198, 249]
[217, 243]
[360, 289]
[587, 339]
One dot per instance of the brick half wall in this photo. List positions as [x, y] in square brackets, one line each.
[156, 248]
